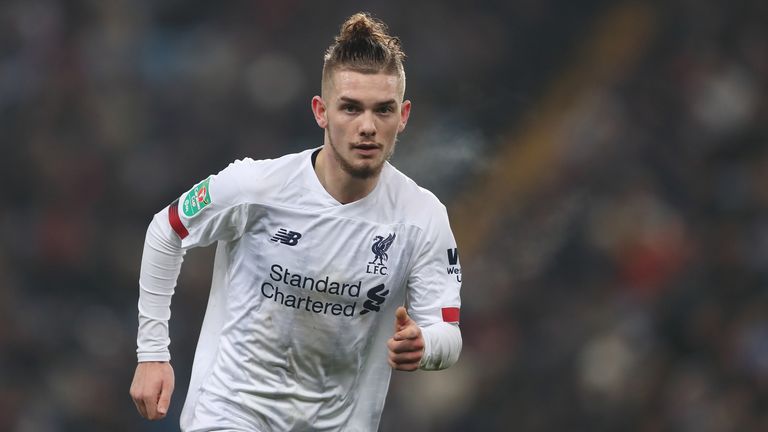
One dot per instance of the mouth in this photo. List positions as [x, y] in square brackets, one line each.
[366, 149]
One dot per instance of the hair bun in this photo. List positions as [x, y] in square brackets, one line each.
[361, 26]
[364, 45]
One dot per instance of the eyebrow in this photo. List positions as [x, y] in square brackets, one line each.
[357, 102]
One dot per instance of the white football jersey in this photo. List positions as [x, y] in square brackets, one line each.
[304, 294]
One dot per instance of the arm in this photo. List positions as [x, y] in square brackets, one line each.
[434, 347]
[153, 381]
[160, 268]
[442, 346]
[207, 213]
[431, 340]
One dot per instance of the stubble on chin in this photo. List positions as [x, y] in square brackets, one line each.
[364, 172]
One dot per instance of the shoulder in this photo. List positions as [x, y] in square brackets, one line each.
[255, 168]
[243, 178]
[416, 203]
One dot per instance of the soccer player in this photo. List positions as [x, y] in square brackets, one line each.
[317, 252]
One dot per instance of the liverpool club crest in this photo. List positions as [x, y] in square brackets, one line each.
[380, 247]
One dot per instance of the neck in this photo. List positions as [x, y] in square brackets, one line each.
[342, 186]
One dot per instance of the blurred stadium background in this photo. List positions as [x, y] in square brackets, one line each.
[605, 165]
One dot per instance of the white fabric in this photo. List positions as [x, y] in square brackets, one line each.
[442, 346]
[294, 336]
[160, 268]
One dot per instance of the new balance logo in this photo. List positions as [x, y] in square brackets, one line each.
[290, 238]
[376, 297]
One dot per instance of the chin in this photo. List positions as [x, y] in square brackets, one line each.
[357, 166]
[365, 170]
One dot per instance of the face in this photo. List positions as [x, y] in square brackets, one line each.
[362, 115]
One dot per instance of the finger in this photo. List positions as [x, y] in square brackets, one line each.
[137, 401]
[410, 345]
[150, 402]
[410, 367]
[406, 358]
[165, 397]
[140, 407]
[409, 332]
[401, 318]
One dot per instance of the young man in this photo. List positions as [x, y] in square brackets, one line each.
[317, 252]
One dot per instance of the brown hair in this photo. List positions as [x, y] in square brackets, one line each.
[364, 45]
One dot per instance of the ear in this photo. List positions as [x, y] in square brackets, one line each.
[405, 112]
[319, 110]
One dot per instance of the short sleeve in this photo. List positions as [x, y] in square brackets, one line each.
[212, 210]
[434, 283]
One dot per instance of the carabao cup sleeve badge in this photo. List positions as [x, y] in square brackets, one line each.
[197, 199]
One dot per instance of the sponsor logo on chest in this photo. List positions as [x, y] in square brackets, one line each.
[324, 294]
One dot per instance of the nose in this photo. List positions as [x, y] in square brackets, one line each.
[367, 125]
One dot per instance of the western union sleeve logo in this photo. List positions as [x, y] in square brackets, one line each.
[197, 199]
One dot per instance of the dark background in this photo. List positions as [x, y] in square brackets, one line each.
[605, 166]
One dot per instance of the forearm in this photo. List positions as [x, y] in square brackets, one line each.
[160, 268]
[442, 346]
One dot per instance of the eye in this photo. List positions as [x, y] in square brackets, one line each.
[385, 109]
[349, 108]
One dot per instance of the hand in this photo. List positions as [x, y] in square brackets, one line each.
[406, 347]
[152, 388]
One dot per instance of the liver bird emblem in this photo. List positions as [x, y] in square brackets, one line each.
[380, 247]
